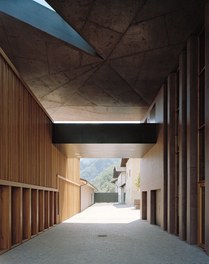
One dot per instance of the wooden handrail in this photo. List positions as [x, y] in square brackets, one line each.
[67, 180]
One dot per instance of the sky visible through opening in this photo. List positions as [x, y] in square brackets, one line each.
[44, 3]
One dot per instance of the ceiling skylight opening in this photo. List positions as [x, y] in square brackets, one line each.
[44, 3]
[42, 18]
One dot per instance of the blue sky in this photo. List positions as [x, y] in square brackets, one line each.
[44, 3]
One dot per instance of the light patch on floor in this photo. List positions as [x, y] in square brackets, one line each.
[107, 213]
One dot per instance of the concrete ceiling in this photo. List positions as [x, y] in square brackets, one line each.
[138, 42]
[104, 150]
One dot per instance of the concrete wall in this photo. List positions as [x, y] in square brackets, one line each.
[170, 171]
[121, 187]
[132, 172]
[87, 196]
[151, 165]
[105, 197]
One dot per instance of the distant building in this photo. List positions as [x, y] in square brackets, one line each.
[125, 178]
[87, 194]
[132, 179]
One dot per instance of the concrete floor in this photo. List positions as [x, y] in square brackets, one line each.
[105, 233]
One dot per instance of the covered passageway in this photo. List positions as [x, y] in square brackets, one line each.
[92, 79]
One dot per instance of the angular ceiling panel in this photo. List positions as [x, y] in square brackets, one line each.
[103, 39]
[65, 92]
[78, 99]
[148, 89]
[159, 61]
[75, 12]
[145, 36]
[74, 73]
[115, 15]
[31, 69]
[56, 51]
[46, 84]
[34, 50]
[180, 25]
[128, 67]
[153, 9]
[97, 97]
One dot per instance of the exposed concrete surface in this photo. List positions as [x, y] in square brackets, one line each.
[139, 42]
[105, 233]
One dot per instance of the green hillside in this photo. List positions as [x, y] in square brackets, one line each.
[99, 172]
[103, 181]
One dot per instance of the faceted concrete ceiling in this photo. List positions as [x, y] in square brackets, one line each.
[138, 43]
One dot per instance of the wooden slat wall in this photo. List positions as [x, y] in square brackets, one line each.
[69, 199]
[69, 190]
[30, 165]
[26, 152]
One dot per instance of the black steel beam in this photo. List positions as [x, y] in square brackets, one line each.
[105, 133]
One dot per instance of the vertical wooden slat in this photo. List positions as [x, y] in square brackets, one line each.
[27, 155]
[171, 153]
[51, 209]
[46, 203]
[192, 84]
[56, 208]
[5, 219]
[26, 151]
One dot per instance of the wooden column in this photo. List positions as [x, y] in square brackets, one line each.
[56, 208]
[165, 158]
[192, 83]
[41, 211]
[5, 221]
[51, 208]
[182, 145]
[207, 127]
[171, 152]
[34, 212]
[46, 204]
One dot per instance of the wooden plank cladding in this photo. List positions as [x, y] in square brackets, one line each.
[69, 198]
[29, 165]
[27, 154]
[23, 214]
[5, 219]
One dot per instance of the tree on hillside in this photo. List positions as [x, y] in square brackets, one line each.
[103, 181]
[91, 168]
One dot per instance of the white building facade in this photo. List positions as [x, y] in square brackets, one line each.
[127, 179]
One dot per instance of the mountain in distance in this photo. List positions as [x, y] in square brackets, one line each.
[99, 172]
[90, 168]
[103, 181]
